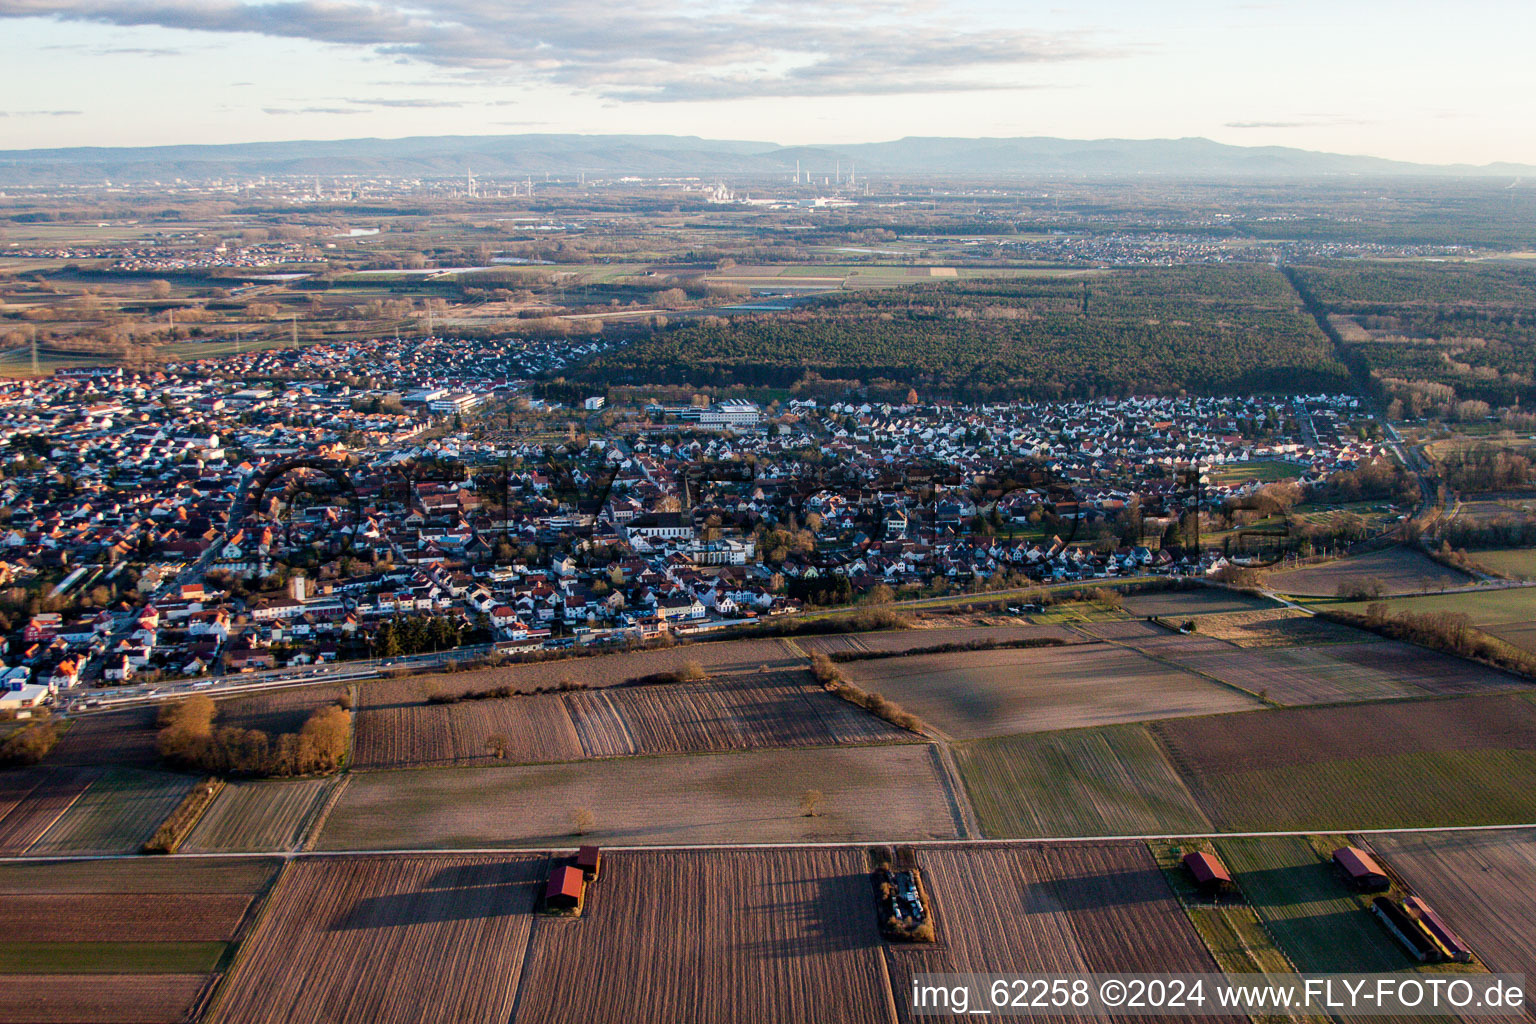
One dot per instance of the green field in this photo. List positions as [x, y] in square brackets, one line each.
[1483, 607]
[117, 814]
[1265, 470]
[254, 816]
[1315, 919]
[1106, 781]
[1452, 787]
[110, 957]
[1516, 563]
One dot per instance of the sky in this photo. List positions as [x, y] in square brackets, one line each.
[1435, 82]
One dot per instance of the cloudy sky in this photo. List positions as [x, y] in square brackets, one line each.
[1423, 80]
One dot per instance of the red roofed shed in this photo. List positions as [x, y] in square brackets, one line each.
[1363, 871]
[565, 887]
[590, 860]
[1436, 926]
[1208, 872]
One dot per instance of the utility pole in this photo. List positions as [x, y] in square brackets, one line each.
[295, 329]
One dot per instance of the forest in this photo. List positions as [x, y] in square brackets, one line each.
[1200, 329]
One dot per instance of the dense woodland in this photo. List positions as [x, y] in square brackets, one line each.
[1440, 333]
[1202, 329]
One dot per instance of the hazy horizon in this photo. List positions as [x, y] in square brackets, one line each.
[1357, 78]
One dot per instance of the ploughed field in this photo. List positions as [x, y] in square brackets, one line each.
[249, 816]
[32, 799]
[1048, 910]
[972, 694]
[119, 940]
[1397, 570]
[891, 792]
[736, 712]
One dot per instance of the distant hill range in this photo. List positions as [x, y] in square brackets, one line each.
[652, 156]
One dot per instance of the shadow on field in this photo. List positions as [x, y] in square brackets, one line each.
[838, 916]
[1095, 891]
[460, 893]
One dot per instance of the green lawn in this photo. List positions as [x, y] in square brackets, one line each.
[110, 957]
[1315, 919]
[1483, 607]
[1113, 780]
[1516, 563]
[1264, 470]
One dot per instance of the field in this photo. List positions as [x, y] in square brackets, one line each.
[382, 940]
[1303, 900]
[1107, 781]
[262, 815]
[721, 935]
[975, 694]
[111, 738]
[740, 712]
[740, 797]
[1508, 613]
[1466, 761]
[1483, 884]
[116, 814]
[1330, 673]
[118, 940]
[717, 658]
[1516, 563]
[32, 800]
[1277, 627]
[1197, 601]
[276, 711]
[108, 998]
[1397, 570]
[1031, 909]
[1263, 470]
[917, 639]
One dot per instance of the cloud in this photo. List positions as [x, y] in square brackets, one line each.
[654, 50]
[40, 113]
[279, 111]
[1315, 122]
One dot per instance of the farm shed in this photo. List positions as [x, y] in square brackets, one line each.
[1405, 929]
[1363, 871]
[1208, 872]
[590, 860]
[1438, 930]
[565, 889]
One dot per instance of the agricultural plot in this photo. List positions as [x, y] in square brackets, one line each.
[1397, 570]
[1482, 883]
[118, 940]
[107, 998]
[115, 738]
[1466, 761]
[402, 939]
[1109, 781]
[34, 799]
[1516, 563]
[740, 712]
[716, 657]
[1151, 637]
[917, 639]
[1330, 673]
[277, 711]
[1278, 627]
[719, 935]
[259, 815]
[1033, 909]
[704, 798]
[1195, 601]
[1304, 902]
[975, 694]
[116, 814]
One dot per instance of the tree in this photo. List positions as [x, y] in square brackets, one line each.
[810, 803]
[582, 820]
[496, 746]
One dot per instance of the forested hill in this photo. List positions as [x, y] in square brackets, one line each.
[1204, 329]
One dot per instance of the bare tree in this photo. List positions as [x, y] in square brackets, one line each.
[810, 803]
[496, 746]
[582, 820]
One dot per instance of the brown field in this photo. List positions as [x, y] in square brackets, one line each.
[975, 694]
[1195, 601]
[110, 738]
[1482, 883]
[713, 936]
[254, 815]
[383, 940]
[1521, 634]
[103, 998]
[277, 711]
[718, 658]
[110, 917]
[34, 798]
[1152, 637]
[693, 798]
[1328, 673]
[1048, 910]
[739, 712]
[1399, 570]
[916, 639]
[139, 875]
[1277, 627]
